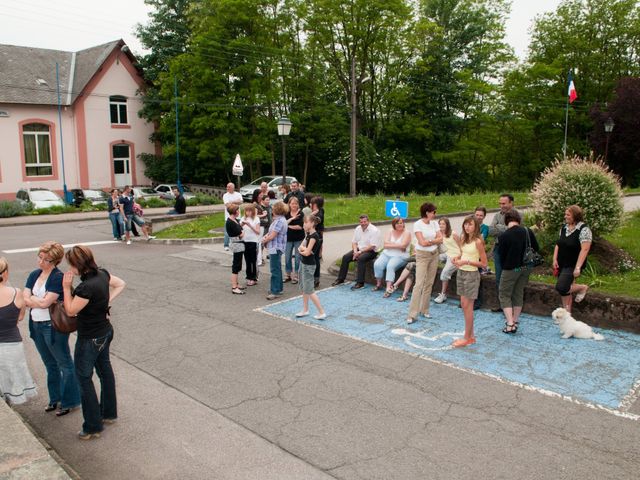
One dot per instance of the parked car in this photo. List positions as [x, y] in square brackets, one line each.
[144, 193]
[96, 197]
[38, 198]
[164, 189]
[272, 182]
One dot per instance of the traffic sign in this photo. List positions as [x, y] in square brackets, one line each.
[396, 208]
[237, 169]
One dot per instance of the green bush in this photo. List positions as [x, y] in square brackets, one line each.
[585, 182]
[201, 199]
[153, 202]
[10, 209]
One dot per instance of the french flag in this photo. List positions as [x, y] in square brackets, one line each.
[573, 94]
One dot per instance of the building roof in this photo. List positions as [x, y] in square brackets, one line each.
[28, 75]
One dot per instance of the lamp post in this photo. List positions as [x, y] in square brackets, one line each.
[608, 128]
[284, 127]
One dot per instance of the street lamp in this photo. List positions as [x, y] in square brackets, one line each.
[608, 128]
[284, 127]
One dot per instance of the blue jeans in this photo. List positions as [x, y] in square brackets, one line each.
[117, 224]
[275, 267]
[292, 247]
[391, 264]
[54, 350]
[94, 353]
[226, 239]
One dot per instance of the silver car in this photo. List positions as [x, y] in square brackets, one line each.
[272, 181]
[38, 198]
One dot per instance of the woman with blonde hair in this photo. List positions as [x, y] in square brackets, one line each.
[471, 257]
[43, 288]
[91, 302]
[16, 384]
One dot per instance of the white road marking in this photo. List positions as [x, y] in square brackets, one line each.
[68, 245]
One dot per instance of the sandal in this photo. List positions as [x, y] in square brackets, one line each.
[294, 281]
[376, 288]
[403, 298]
[286, 279]
[513, 328]
[237, 291]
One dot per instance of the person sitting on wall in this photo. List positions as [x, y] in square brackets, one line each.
[364, 247]
[180, 206]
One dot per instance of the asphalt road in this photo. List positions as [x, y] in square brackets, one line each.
[211, 388]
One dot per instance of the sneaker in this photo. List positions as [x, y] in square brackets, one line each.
[441, 298]
[320, 316]
[128, 242]
[273, 296]
[226, 249]
[150, 237]
[302, 314]
[337, 282]
[82, 435]
[463, 342]
[410, 320]
[426, 315]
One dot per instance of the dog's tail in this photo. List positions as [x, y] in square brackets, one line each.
[597, 336]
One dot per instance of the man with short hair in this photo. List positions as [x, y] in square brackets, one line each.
[180, 205]
[295, 192]
[364, 248]
[230, 198]
[495, 230]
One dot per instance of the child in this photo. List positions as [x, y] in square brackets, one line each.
[450, 241]
[472, 257]
[251, 227]
[308, 250]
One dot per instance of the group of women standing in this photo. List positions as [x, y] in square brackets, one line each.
[466, 255]
[278, 228]
[69, 381]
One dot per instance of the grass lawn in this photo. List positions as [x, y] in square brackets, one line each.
[346, 210]
[198, 228]
[626, 283]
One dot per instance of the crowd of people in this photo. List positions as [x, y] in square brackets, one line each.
[125, 213]
[69, 380]
[406, 256]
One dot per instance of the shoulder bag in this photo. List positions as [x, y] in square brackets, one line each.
[62, 322]
[531, 258]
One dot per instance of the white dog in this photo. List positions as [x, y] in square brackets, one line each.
[570, 327]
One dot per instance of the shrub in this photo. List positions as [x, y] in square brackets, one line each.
[585, 182]
[10, 209]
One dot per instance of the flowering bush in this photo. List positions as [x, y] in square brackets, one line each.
[585, 182]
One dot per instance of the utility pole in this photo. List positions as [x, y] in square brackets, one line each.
[354, 127]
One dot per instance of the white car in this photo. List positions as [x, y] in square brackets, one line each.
[144, 192]
[39, 198]
[165, 191]
[272, 181]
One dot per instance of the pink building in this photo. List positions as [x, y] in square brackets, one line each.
[102, 134]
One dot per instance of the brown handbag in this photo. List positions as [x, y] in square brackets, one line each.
[62, 322]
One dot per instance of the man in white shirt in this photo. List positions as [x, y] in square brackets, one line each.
[365, 245]
[230, 198]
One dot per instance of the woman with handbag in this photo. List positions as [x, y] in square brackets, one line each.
[570, 256]
[90, 301]
[236, 245]
[512, 245]
[43, 289]
[16, 384]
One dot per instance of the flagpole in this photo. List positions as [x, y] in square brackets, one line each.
[566, 122]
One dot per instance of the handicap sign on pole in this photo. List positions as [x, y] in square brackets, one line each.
[396, 208]
[237, 168]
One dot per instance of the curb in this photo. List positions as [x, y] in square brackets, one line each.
[188, 241]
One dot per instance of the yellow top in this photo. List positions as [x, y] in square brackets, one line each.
[470, 253]
[453, 250]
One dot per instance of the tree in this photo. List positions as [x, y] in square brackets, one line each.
[623, 152]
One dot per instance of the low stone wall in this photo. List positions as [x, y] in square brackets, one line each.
[208, 190]
[597, 309]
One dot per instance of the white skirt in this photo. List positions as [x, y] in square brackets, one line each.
[16, 384]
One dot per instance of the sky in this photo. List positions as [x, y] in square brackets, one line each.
[74, 25]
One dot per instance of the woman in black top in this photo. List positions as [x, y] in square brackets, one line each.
[570, 256]
[515, 275]
[317, 210]
[90, 301]
[234, 231]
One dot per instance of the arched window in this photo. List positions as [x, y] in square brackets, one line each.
[118, 109]
[37, 150]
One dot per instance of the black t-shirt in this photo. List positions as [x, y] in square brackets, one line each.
[92, 319]
[127, 204]
[311, 260]
[181, 204]
[320, 226]
[512, 244]
[295, 235]
[233, 227]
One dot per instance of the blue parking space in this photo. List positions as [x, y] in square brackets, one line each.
[602, 373]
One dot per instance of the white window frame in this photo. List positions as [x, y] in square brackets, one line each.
[115, 100]
[39, 163]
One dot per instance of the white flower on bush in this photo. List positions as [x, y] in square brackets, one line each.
[585, 182]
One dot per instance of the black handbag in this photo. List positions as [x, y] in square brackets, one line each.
[531, 258]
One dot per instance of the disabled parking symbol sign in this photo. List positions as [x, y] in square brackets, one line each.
[396, 208]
